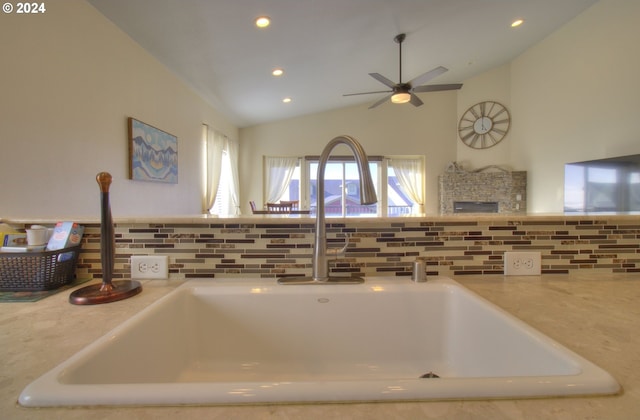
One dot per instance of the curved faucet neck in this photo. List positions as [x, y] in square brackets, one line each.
[367, 196]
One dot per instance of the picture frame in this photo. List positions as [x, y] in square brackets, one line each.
[153, 153]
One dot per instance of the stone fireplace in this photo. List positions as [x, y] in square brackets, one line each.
[494, 191]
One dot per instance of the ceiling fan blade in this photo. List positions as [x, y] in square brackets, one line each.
[435, 88]
[415, 101]
[424, 78]
[367, 93]
[381, 101]
[380, 78]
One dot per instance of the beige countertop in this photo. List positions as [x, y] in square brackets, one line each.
[596, 316]
[298, 218]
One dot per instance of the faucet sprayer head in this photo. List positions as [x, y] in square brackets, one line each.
[367, 189]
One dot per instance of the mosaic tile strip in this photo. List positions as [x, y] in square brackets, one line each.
[380, 248]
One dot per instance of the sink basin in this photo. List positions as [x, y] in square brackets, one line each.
[253, 341]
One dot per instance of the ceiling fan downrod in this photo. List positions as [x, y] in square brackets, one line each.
[399, 39]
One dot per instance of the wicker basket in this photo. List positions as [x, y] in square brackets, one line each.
[34, 271]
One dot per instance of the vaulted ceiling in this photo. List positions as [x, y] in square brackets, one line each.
[327, 47]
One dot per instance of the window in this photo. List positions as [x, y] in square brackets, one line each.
[342, 188]
[604, 185]
[398, 184]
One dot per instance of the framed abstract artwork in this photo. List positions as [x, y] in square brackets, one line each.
[153, 154]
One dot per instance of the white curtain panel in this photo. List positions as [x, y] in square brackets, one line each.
[278, 173]
[215, 142]
[234, 193]
[410, 175]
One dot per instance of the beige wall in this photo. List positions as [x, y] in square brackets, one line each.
[574, 96]
[428, 130]
[69, 80]
[495, 86]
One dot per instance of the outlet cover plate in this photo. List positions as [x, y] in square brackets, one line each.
[522, 263]
[149, 267]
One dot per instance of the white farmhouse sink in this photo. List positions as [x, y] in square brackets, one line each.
[248, 341]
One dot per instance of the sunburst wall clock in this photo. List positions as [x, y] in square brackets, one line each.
[484, 125]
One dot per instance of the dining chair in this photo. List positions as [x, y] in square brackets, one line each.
[295, 204]
[279, 207]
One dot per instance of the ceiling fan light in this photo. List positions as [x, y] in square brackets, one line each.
[401, 98]
[263, 21]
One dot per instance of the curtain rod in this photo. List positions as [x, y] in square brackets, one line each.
[219, 131]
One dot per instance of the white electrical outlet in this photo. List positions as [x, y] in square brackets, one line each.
[523, 263]
[149, 267]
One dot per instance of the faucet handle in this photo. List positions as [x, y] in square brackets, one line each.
[339, 252]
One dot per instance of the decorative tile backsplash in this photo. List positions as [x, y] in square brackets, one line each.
[384, 247]
[507, 189]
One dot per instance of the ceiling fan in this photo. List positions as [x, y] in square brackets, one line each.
[400, 92]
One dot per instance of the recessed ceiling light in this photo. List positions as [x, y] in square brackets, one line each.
[517, 23]
[263, 22]
[286, 100]
[277, 72]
